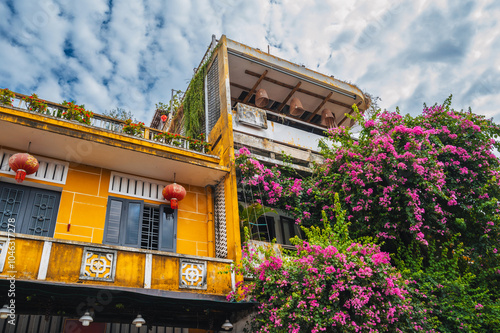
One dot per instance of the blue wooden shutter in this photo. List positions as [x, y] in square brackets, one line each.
[41, 213]
[113, 221]
[12, 205]
[123, 222]
[168, 229]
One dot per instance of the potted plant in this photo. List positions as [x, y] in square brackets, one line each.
[134, 129]
[76, 112]
[166, 110]
[33, 103]
[6, 96]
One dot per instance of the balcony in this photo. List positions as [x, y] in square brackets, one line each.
[60, 276]
[103, 143]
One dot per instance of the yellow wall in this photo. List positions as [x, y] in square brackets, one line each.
[222, 133]
[84, 200]
[65, 261]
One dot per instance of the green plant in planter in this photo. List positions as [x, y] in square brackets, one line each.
[199, 144]
[170, 109]
[77, 112]
[168, 138]
[33, 103]
[134, 129]
[6, 96]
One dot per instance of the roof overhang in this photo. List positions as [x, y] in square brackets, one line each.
[251, 69]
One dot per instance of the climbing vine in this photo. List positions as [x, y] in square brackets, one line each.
[194, 101]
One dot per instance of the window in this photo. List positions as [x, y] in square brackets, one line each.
[267, 228]
[264, 229]
[34, 210]
[289, 229]
[132, 223]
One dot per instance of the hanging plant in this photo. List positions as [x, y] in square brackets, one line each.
[194, 101]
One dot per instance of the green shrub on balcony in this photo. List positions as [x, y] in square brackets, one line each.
[33, 103]
[134, 129]
[76, 112]
[6, 96]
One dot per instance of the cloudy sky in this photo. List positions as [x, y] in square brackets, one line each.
[130, 54]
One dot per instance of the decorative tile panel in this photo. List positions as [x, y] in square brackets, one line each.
[98, 264]
[251, 116]
[192, 274]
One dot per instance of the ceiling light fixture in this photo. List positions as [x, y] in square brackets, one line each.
[86, 319]
[138, 321]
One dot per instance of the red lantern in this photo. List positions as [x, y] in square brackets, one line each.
[23, 164]
[175, 193]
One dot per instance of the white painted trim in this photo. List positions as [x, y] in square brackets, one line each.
[233, 280]
[44, 261]
[139, 180]
[51, 163]
[148, 269]
[3, 253]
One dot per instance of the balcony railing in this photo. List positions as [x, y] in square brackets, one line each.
[91, 263]
[116, 126]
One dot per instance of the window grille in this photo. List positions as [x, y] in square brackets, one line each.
[150, 228]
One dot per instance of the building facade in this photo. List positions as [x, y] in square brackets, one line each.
[91, 232]
[93, 235]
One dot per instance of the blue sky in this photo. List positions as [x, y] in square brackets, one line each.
[130, 54]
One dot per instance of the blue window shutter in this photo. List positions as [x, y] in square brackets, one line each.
[113, 220]
[168, 229]
[12, 205]
[41, 213]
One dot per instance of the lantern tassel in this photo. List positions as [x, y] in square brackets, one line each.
[20, 175]
[174, 204]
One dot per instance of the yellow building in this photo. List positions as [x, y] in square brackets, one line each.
[92, 231]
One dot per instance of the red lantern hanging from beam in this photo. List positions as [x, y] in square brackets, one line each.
[175, 193]
[23, 164]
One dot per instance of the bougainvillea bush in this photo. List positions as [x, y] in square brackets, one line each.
[329, 284]
[430, 182]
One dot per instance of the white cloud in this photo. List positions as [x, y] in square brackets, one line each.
[133, 54]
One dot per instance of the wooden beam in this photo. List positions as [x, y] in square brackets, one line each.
[282, 105]
[252, 91]
[307, 92]
[320, 106]
[236, 85]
